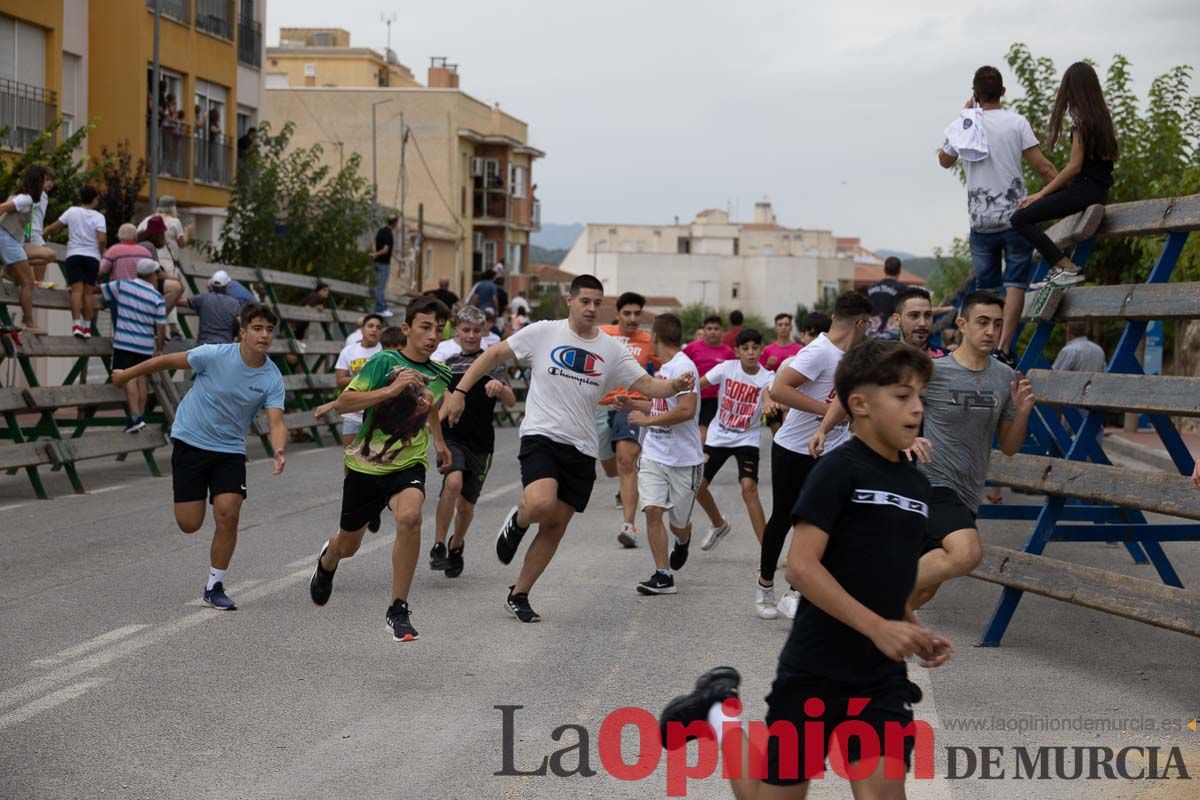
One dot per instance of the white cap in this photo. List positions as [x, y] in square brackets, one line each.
[147, 266]
[220, 278]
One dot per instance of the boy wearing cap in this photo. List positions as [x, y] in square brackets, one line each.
[139, 330]
[217, 309]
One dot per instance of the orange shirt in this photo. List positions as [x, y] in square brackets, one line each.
[639, 347]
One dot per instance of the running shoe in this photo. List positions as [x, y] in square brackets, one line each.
[619, 505]
[509, 537]
[627, 536]
[135, 425]
[320, 585]
[657, 584]
[764, 601]
[217, 598]
[77, 331]
[715, 686]
[438, 559]
[715, 535]
[518, 606]
[1065, 277]
[789, 603]
[387, 312]
[679, 554]
[87, 330]
[454, 562]
[398, 622]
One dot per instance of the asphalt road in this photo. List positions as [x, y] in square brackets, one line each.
[115, 682]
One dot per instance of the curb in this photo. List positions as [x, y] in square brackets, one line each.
[1152, 457]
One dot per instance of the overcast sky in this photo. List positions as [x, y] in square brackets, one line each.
[651, 110]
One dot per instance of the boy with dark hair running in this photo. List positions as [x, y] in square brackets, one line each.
[913, 319]
[669, 469]
[806, 387]
[859, 525]
[706, 353]
[471, 443]
[233, 383]
[572, 365]
[744, 395]
[783, 348]
[399, 392]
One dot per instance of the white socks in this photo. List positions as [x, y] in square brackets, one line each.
[215, 576]
[718, 720]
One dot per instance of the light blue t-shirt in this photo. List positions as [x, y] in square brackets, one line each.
[217, 412]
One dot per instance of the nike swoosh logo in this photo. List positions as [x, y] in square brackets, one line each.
[243, 488]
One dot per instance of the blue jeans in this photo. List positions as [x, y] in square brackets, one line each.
[382, 272]
[986, 249]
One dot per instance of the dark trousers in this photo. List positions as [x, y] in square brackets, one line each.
[788, 471]
[1074, 197]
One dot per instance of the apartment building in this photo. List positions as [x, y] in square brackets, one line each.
[760, 267]
[466, 188]
[91, 61]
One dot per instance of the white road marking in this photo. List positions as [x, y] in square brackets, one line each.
[50, 701]
[14, 505]
[86, 647]
[937, 788]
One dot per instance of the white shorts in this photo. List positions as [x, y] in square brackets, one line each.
[672, 488]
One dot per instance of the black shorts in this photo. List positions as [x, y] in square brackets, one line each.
[708, 410]
[774, 418]
[199, 474]
[124, 359]
[890, 701]
[947, 514]
[364, 496]
[575, 472]
[715, 458]
[81, 268]
[474, 467]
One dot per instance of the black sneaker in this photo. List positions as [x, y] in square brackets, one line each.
[398, 622]
[437, 557]
[217, 598]
[658, 584]
[454, 562]
[518, 604]
[1005, 357]
[135, 425]
[679, 554]
[320, 585]
[714, 686]
[509, 537]
[373, 525]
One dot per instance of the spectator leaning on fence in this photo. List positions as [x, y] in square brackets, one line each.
[218, 310]
[15, 213]
[39, 254]
[139, 330]
[86, 240]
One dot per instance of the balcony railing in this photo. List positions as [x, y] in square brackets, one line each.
[213, 159]
[174, 146]
[25, 111]
[249, 43]
[492, 204]
[535, 218]
[178, 10]
[215, 17]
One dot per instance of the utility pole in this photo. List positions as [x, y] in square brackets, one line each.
[154, 121]
[403, 181]
[420, 246]
[374, 171]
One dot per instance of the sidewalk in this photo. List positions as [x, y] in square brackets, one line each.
[1144, 446]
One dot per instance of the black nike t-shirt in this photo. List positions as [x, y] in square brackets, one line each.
[875, 512]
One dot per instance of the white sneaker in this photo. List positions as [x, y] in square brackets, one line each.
[628, 536]
[764, 601]
[789, 603]
[387, 312]
[715, 535]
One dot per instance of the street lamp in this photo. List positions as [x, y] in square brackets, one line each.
[374, 175]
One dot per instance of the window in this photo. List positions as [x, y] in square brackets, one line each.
[428, 261]
[768, 250]
[245, 120]
[22, 52]
[517, 180]
[628, 246]
[513, 264]
[736, 245]
[684, 245]
[209, 98]
[322, 39]
[489, 254]
[70, 91]
[735, 290]
[310, 70]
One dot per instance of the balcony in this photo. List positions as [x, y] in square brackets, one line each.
[490, 204]
[25, 113]
[174, 145]
[215, 17]
[178, 10]
[249, 43]
[213, 159]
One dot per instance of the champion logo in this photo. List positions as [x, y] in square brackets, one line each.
[873, 498]
[576, 359]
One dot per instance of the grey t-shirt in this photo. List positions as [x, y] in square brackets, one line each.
[962, 410]
[1081, 355]
[217, 312]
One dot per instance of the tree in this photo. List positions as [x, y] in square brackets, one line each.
[120, 183]
[290, 212]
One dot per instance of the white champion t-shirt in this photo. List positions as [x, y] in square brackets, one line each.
[568, 376]
[996, 185]
[352, 359]
[818, 362]
[83, 225]
[675, 445]
[739, 404]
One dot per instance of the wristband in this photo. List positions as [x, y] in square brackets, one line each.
[459, 389]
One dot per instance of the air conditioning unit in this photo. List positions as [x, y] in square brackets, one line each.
[476, 167]
[478, 243]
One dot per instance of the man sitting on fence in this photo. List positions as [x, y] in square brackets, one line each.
[139, 330]
[217, 309]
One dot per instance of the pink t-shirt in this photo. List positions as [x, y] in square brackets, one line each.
[121, 259]
[706, 356]
[779, 353]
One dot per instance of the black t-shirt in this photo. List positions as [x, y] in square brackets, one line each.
[875, 512]
[384, 238]
[445, 295]
[475, 429]
[501, 301]
[883, 297]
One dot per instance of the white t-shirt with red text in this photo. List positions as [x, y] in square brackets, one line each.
[818, 362]
[675, 445]
[739, 404]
